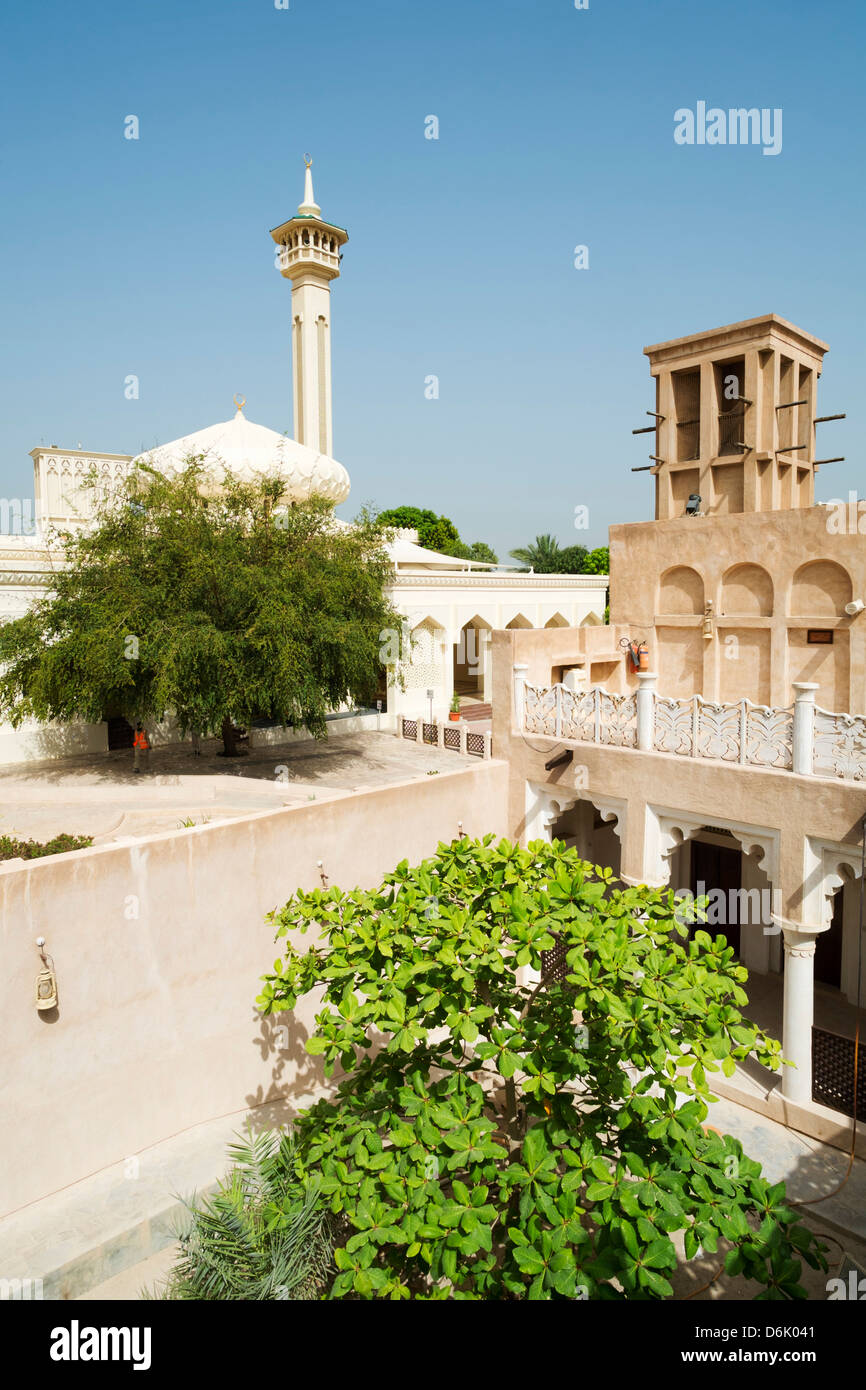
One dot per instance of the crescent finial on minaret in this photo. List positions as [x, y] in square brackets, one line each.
[240, 403]
[309, 207]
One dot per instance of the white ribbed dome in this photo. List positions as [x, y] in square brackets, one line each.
[251, 452]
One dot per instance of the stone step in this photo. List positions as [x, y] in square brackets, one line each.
[472, 712]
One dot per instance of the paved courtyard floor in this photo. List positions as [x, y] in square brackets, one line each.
[100, 795]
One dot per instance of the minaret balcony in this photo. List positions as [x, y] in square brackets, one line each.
[299, 257]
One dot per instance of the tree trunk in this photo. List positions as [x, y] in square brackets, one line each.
[227, 733]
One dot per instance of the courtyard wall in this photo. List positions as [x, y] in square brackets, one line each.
[158, 946]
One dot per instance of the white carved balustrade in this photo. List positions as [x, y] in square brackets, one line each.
[801, 738]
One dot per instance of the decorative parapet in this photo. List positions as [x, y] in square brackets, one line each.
[491, 579]
[590, 716]
[801, 738]
[738, 733]
[839, 745]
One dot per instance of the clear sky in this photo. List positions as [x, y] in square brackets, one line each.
[152, 257]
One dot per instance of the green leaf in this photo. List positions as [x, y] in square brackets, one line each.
[529, 1260]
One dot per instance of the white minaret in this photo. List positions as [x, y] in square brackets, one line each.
[310, 257]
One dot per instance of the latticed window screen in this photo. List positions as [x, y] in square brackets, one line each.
[833, 1073]
[787, 414]
[553, 963]
[687, 402]
[732, 408]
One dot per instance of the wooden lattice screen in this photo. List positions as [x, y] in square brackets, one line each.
[553, 963]
[833, 1072]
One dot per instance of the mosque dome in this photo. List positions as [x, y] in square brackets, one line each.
[251, 452]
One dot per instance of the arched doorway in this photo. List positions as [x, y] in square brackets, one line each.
[472, 674]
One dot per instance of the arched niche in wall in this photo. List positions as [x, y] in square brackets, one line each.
[519, 621]
[747, 592]
[557, 621]
[681, 590]
[820, 589]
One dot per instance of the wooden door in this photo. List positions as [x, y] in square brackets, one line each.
[717, 867]
[828, 947]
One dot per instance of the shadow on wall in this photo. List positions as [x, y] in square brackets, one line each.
[32, 742]
[281, 1039]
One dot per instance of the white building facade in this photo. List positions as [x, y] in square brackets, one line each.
[449, 607]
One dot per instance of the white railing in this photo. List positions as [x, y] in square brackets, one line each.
[738, 733]
[839, 745]
[801, 738]
[591, 716]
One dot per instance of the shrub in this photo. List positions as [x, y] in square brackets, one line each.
[501, 1139]
[10, 848]
[263, 1235]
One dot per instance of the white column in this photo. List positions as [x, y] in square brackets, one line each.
[646, 699]
[447, 646]
[798, 1014]
[487, 669]
[804, 720]
[519, 681]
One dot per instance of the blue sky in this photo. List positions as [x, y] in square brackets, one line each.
[556, 127]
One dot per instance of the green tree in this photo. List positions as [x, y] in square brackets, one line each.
[572, 560]
[436, 533]
[501, 1139]
[482, 552]
[546, 556]
[542, 555]
[598, 561]
[218, 609]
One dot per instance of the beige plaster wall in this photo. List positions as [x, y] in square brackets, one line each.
[778, 573]
[547, 652]
[159, 946]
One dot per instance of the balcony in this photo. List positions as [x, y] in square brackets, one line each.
[802, 738]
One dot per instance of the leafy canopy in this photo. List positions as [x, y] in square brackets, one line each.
[498, 1138]
[546, 556]
[436, 533]
[216, 608]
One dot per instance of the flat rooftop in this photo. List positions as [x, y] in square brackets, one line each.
[98, 794]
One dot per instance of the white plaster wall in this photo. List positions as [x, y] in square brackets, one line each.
[32, 742]
[159, 945]
[450, 601]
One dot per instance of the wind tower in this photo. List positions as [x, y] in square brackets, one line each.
[309, 256]
[735, 413]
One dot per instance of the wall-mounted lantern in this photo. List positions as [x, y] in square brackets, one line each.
[46, 980]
